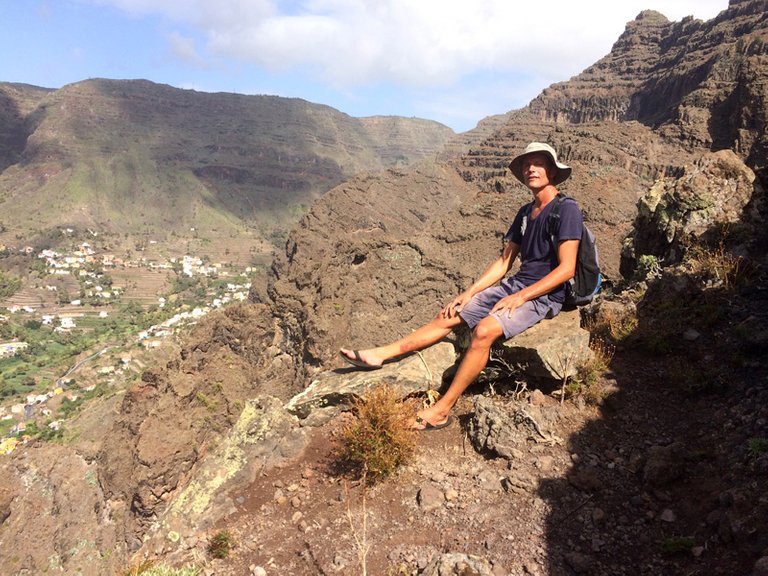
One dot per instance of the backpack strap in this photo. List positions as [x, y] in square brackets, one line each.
[553, 219]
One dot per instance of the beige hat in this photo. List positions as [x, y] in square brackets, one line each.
[563, 171]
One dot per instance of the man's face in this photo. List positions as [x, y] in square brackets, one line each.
[537, 170]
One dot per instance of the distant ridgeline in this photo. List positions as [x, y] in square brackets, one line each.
[129, 156]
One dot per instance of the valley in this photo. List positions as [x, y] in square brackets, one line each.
[91, 314]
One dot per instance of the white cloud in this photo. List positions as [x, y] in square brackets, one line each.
[184, 49]
[350, 43]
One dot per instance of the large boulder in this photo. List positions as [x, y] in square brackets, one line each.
[553, 348]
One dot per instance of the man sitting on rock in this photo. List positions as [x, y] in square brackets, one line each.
[518, 302]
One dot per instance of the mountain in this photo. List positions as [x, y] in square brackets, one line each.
[130, 156]
[666, 477]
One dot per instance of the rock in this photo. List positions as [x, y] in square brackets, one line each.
[505, 428]
[264, 435]
[552, 348]
[586, 478]
[519, 483]
[581, 563]
[668, 515]
[458, 565]
[416, 373]
[761, 567]
[664, 464]
[430, 498]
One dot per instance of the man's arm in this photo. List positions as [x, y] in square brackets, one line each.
[564, 271]
[495, 272]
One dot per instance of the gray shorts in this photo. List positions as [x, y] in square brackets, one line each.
[521, 318]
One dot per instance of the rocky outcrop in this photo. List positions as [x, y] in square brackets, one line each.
[416, 373]
[715, 192]
[504, 429]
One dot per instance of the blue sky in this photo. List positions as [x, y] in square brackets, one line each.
[454, 61]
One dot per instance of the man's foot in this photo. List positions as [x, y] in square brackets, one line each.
[422, 425]
[431, 419]
[362, 359]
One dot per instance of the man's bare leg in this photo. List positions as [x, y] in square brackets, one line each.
[475, 359]
[419, 339]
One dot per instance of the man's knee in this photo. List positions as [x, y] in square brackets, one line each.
[487, 331]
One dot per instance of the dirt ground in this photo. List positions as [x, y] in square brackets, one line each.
[653, 482]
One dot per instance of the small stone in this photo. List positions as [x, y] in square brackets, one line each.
[538, 398]
[691, 335]
[174, 536]
[307, 473]
[545, 463]
[429, 498]
[258, 571]
[451, 494]
[761, 567]
[296, 517]
[697, 551]
[581, 563]
[295, 501]
[293, 488]
[598, 515]
[339, 562]
[668, 515]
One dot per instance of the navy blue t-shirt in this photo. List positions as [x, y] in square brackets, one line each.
[537, 255]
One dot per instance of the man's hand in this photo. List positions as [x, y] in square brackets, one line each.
[509, 304]
[452, 310]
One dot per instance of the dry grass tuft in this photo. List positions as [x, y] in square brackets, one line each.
[221, 544]
[379, 439]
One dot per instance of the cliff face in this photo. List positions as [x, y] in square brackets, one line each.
[666, 93]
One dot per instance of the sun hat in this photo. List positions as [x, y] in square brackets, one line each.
[516, 166]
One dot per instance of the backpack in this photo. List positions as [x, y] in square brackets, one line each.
[586, 282]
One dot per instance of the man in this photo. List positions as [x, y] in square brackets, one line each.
[518, 302]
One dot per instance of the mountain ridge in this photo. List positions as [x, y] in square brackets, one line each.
[227, 160]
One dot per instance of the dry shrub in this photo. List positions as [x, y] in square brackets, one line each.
[718, 264]
[379, 439]
[614, 323]
[587, 380]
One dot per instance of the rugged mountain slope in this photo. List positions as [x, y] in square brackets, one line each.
[603, 128]
[131, 155]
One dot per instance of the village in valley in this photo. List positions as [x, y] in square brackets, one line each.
[87, 321]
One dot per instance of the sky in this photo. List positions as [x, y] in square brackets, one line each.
[453, 61]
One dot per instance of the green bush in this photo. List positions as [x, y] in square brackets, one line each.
[9, 285]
